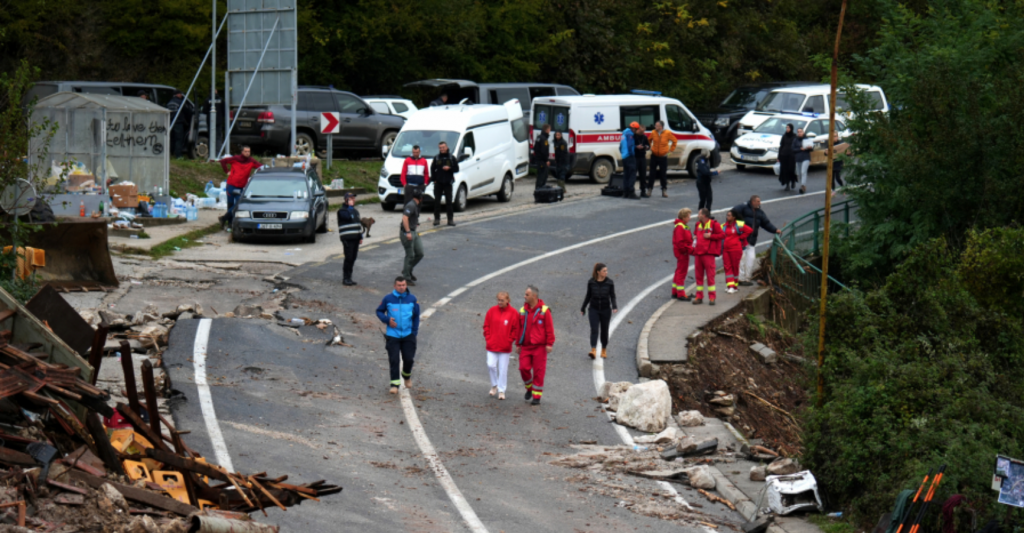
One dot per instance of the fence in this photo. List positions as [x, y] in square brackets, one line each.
[794, 251]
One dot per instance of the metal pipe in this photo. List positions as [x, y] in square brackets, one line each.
[215, 524]
[251, 80]
[211, 123]
[200, 69]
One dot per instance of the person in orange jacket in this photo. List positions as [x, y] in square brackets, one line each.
[709, 246]
[536, 337]
[663, 142]
[501, 328]
[736, 233]
[682, 247]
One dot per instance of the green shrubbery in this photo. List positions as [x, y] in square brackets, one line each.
[926, 370]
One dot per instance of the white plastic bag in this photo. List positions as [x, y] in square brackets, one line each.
[777, 167]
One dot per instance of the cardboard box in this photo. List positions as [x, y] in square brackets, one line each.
[124, 195]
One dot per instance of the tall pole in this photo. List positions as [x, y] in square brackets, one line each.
[211, 123]
[828, 209]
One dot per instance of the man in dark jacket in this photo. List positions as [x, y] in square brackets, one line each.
[439, 101]
[541, 152]
[756, 219]
[561, 159]
[350, 231]
[643, 144]
[179, 132]
[704, 175]
[443, 170]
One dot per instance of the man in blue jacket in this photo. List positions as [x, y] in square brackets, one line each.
[400, 311]
[627, 148]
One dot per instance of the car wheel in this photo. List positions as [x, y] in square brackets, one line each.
[460, 199]
[601, 171]
[741, 167]
[387, 206]
[387, 140]
[236, 234]
[201, 149]
[691, 165]
[322, 228]
[304, 144]
[507, 188]
[310, 236]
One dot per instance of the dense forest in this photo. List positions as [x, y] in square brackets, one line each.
[696, 50]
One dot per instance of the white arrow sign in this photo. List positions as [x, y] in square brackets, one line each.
[330, 122]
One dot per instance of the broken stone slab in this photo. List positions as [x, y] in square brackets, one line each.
[646, 406]
[688, 419]
[726, 411]
[783, 466]
[186, 316]
[612, 392]
[670, 434]
[689, 447]
[724, 401]
[758, 473]
[700, 477]
[244, 310]
[764, 353]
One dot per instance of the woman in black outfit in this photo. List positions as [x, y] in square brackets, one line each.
[601, 297]
[787, 164]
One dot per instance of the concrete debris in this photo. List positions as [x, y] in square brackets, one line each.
[689, 419]
[244, 310]
[756, 452]
[582, 459]
[764, 353]
[758, 473]
[758, 526]
[725, 400]
[114, 496]
[229, 314]
[726, 411]
[689, 447]
[612, 392]
[700, 477]
[646, 406]
[186, 316]
[266, 316]
[783, 467]
[670, 434]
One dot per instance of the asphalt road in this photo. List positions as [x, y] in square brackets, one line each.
[288, 405]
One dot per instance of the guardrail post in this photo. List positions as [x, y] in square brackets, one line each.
[816, 219]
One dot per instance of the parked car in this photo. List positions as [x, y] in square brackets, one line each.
[281, 204]
[724, 121]
[761, 147]
[470, 92]
[392, 105]
[491, 142]
[808, 99]
[270, 127]
[159, 94]
[593, 125]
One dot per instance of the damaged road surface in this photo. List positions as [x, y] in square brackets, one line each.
[285, 400]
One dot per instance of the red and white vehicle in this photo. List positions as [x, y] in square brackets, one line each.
[593, 127]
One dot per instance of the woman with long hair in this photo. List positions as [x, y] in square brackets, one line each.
[787, 164]
[601, 298]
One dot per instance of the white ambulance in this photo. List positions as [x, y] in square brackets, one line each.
[593, 126]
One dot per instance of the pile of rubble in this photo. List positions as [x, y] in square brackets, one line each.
[74, 457]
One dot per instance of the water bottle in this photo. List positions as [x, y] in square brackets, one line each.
[81, 209]
[837, 514]
[101, 207]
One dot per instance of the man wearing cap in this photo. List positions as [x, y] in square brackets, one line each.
[143, 94]
[410, 237]
[627, 148]
[350, 231]
[179, 131]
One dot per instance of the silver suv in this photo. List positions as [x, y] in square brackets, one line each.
[362, 128]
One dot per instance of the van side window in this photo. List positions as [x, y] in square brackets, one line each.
[98, 90]
[380, 107]
[814, 104]
[400, 107]
[163, 96]
[519, 130]
[467, 142]
[678, 120]
[520, 93]
[646, 115]
[567, 91]
[537, 92]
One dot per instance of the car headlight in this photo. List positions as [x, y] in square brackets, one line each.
[242, 214]
[298, 215]
[383, 172]
[773, 149]
[722, 122]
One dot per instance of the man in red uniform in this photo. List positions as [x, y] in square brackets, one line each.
[682, 247]
[709, 246]
[241, 168]
[415, 174]
[736, 233]
[535, 341]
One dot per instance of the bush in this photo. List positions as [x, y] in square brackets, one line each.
[925, 370]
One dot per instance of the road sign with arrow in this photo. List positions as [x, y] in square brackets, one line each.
[330, 122]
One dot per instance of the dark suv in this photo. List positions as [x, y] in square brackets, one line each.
[724, 121]
[362, 128]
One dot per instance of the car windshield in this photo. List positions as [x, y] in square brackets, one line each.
[778, 102]
[777, 126]
[277, 187]
[426, 140]
[743, 98]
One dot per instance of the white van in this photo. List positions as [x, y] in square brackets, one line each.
[491, 141]
[810, 99]
[593, 127]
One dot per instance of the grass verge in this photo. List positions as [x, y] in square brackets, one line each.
[178, 243]
[831, 525]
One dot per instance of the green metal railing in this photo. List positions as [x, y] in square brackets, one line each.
[800, 243]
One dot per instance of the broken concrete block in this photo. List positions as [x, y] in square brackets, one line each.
[612, 392]
[700, 477]
[758, 473]
[266, 316]
[686, 446]
[726, 411]
[646, 406]
[764, 353]
[669, 435]
[705, 447]
[690, 419]
[185, 316]
[114, 496]
[197, 310]
[724, 401]
[110, 317]
[229, 314]
[783, 466]
[244, 310]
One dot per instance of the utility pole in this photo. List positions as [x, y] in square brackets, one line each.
[828, 209]
[211, 123]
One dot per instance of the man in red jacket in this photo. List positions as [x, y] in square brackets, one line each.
[682, 247]
[241, 168]
[536, 338]
[415, 174]
[501, 325]
[709, 246]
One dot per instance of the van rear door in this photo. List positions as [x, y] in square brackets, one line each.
[520, 158]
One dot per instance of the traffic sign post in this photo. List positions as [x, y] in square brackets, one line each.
[330, 123]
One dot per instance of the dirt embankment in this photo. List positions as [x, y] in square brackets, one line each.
[769, 398]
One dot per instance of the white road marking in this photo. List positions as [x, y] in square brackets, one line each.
[220, 448]
[430, 454]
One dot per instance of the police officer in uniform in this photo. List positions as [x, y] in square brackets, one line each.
[350, 231]
[443, 170]
[561, 159]
[541, 151]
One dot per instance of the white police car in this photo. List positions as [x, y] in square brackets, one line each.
[760, 148]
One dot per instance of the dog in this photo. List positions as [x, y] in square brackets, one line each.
[367, 223]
